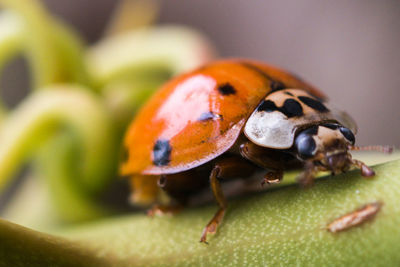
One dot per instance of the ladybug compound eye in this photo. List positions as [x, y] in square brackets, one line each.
[348, 134]
[305, 144]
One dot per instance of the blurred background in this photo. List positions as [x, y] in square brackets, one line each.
[349, 49]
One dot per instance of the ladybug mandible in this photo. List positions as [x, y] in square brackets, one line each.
[227, 120]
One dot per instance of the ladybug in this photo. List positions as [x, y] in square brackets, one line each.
[227, 120]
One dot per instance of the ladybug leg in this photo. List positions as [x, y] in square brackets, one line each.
[225, 168]
[272, 177]
[176, 186]
[146, 191]
[266, 159]
[211, 227]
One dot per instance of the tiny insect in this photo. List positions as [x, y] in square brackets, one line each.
[227, 120]
[354, 218]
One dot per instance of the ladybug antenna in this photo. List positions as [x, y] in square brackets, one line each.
[383, 149]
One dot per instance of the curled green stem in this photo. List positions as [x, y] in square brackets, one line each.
[147, 50]
[53, 51]
[10, 43]
[11, 32]
[42, 115]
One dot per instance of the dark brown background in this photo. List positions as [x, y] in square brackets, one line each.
[349, 49]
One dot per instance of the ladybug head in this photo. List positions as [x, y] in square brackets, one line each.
[327, 147]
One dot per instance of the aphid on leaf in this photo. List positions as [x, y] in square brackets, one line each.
[354, 218]
[227, 120]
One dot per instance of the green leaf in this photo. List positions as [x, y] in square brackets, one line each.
[20, 246]
[285, 226]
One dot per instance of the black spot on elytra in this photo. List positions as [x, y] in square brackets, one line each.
[348, 134]
[226, 89]
[205, 116]
[161, 152]
[291, 108]
[288, 93]
[276, 86]
[313, 103]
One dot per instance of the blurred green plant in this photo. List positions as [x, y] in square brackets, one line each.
[70, 126]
